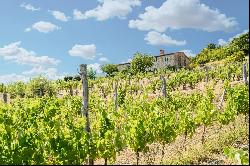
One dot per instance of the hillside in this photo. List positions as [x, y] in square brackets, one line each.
[195, 115]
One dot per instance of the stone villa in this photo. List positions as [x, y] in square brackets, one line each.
[177, 60]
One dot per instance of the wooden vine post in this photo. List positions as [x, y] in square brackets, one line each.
[164, 93]
[84, 110]
[206, 68]
[244, 74]
[5, 97]
[164, 89]
[204, 127]
[116, 96]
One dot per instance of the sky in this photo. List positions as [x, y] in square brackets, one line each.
[52, 38]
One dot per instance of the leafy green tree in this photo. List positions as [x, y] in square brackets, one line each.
[77, 78]
[91, 73]
[235, 50]
[240, 43]
[211, 46]
[67, 78]
[109, 69]
[141, 63]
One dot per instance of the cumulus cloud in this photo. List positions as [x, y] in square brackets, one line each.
[14, 53]
[29, 7]
[8, 78]
[189, 53]
[96, 67]
[83, 51]
[59, 15]
[49, 73]
[40, 65]
[180, 14]
[223, 42]
[44, 27]
[128, 60]
[103, 59]
[108, 9]
[156, 38]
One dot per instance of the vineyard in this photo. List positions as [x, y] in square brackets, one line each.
[47, 125]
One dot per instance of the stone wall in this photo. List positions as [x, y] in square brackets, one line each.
[123, 66]
[163, 61]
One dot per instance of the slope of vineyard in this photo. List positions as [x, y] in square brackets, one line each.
[189, 116]
[51, 131]
[211, 153]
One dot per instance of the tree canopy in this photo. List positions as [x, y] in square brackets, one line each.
[235, 50]
[109, 69]
[141, 63]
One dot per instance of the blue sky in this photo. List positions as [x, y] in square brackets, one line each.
[52, 38]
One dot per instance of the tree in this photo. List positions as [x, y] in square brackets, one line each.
[109, 69]
[91, 73]
[211, 46]
[67, 78]
[77, 78]
[240, 43]
[141, 63]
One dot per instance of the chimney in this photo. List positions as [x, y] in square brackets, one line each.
[161, 52]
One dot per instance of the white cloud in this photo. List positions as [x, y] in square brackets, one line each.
[156, 38]
[223, 42]
[128, 61]
[96, 67]
[13, 78]
[27, 30]
[78, 15]
[49, 73]
[103, 59]
[29, 7]
[83, 51]
[41, 65]
[188, 53]
[108, 9]
[60, 16]
[179, 14]
[43, 26]
[14, 53]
